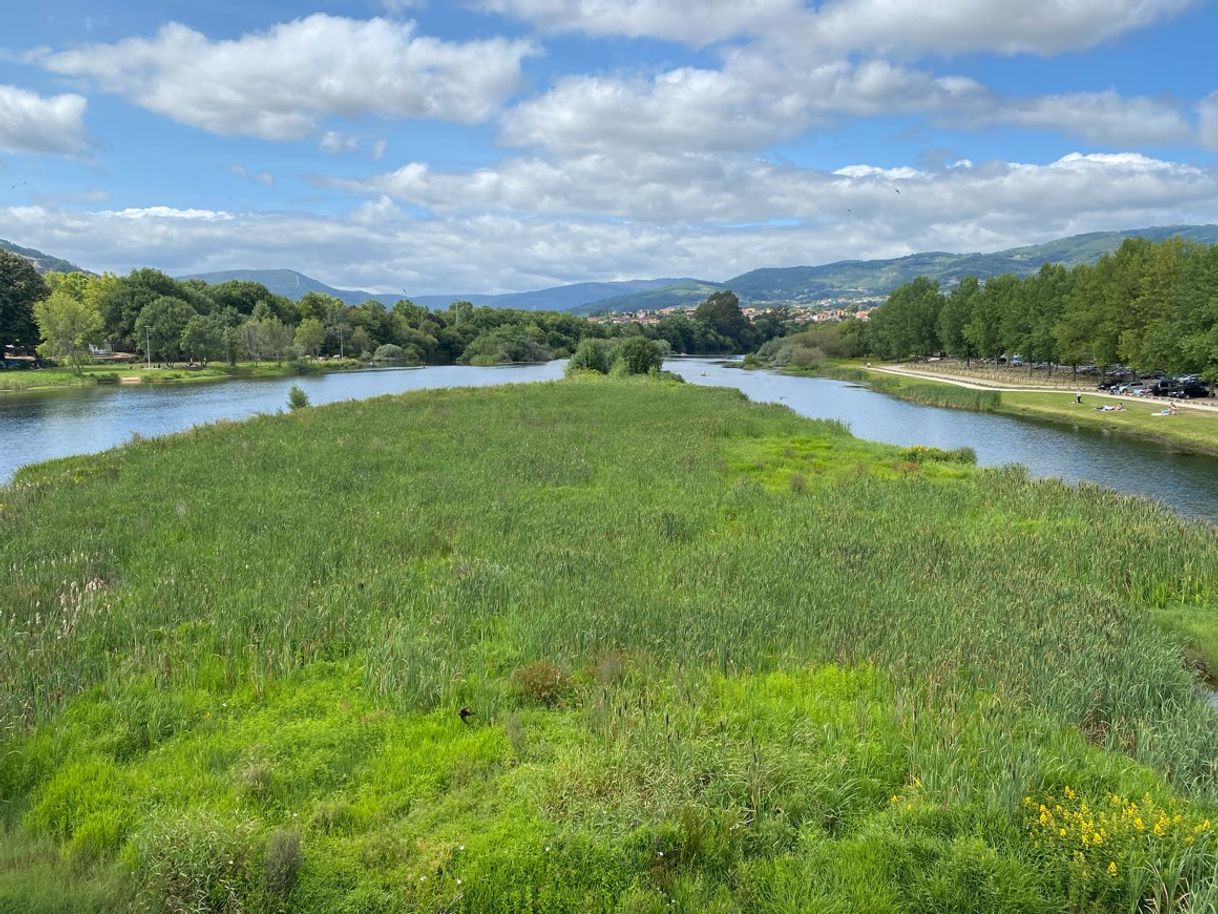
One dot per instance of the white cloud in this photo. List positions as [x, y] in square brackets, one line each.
[762, 95]
[899, 26]
[855, 207]
[1101, 117]
[755, 99]
[377, 149]
[277, 84]
[265, 178]
[513, 228]
[1207, 121]
[42, 124]
[956, 26]
[334, 142]
[398, 7]
[694, 22]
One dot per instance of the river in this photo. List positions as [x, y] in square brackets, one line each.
[40, 426]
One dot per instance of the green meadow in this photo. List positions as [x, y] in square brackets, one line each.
[713, 657]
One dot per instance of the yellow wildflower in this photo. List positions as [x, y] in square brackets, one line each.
[1112, 870]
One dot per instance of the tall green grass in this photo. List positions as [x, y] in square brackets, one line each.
[791, 670]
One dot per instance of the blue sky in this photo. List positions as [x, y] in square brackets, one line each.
[499, 145]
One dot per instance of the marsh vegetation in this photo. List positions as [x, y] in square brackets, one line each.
[715, 657]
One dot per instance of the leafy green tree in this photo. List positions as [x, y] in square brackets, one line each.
[639, 355]
[244, 295]
[20, 288]
[954, 317]
[68, 326]
[361, 343]
[721, 313]
[276, 338]
[205, 337]
[412, 314]
[591, 355]
[311, 336]
[984, 328]
[122, 303]
[505, 345]
[907, 324]
[160, 325]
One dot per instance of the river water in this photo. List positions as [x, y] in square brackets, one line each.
[35, 427]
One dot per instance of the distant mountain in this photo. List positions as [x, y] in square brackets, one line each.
[43, 263]
[557, 298]
[860, 279]
[291, 284]
[681, 292]
[846, 279]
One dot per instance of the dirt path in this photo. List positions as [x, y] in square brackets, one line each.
[1209, 406]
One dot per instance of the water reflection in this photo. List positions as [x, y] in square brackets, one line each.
[49, 424]
[1187, 482]
[56, 423]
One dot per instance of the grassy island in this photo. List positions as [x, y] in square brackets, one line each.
[616, 645]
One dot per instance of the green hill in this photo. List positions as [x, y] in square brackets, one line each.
[684, 292]
[43, 263]
[872, 278]
[292, 284]
[600, 646]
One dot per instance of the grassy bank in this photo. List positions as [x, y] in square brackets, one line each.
[1193, 430]
[718, 658]
[52, 378]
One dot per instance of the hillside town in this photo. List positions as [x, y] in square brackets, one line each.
[829, 311]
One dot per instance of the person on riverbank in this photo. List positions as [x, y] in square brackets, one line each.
[1078, 396]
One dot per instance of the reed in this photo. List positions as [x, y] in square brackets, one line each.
[759, 694]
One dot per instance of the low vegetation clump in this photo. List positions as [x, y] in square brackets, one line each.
[632, 355]
[590, 646]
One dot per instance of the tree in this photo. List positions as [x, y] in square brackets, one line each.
[20, 287]
[205, 337]
[160, 326]
[721, 313]
[311, 335]
[122, 303]
[957, 312]
[276, 337]
[907, 324]
[639, 355]
[67, 326]
[591, 355]
[361, 342]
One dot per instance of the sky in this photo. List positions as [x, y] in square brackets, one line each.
[436, 146]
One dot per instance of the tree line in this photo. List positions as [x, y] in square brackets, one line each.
[168, 320]
[1150, 305]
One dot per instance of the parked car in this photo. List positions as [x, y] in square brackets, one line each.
[1194, 390]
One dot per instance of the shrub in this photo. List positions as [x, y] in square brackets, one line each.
[639, 355]
[297, 398]
[591, 355]
[388, 353]
[543, 682]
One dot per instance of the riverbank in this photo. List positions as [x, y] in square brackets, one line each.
[470, 650]
[138, 373]
[1194, 428]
